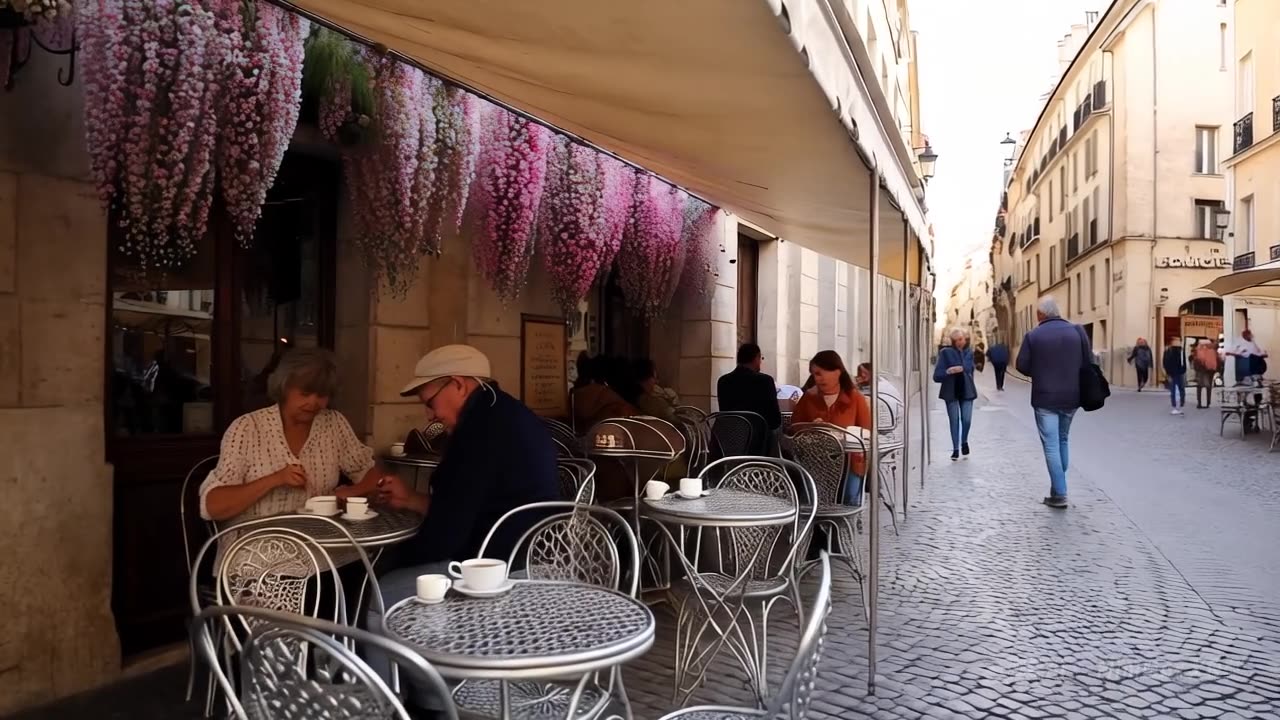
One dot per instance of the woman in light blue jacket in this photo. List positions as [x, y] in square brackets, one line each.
[954, 372]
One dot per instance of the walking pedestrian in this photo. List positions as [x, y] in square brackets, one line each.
[954, 372]
[979, 357]
[1251, 361]
[1052, 355]
[1140, 358]
[1174, 362]
[999, 357]
[1205, 363]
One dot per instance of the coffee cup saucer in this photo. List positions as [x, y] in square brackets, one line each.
[370, 514]
[505, 587]
[679, 495]
[308, 511]
[424, 601]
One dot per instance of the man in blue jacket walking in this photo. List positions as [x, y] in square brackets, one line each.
[999, 357]
[1052, 355]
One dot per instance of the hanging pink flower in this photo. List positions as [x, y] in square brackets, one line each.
[619, 202]
[571, 221]
[152, 90]
[698, 273]
[260, 105]
[510, 173]
[455, 148]
[650, 245]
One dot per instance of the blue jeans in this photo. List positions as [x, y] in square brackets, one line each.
[1054, 425]
[1178, 390]
[960, 414]
[852, 489]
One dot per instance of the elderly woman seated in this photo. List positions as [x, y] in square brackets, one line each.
[275, 458]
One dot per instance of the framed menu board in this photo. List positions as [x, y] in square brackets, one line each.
[544, 372]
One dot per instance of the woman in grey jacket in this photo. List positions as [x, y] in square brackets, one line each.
[954, 372]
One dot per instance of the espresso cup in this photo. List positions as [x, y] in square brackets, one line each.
[324, 504]
[691, 487]
[480, 573]
[655, 489]
[431, 588]
[397, 449]
[357, 506]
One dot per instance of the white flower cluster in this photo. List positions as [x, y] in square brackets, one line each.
[38, 9]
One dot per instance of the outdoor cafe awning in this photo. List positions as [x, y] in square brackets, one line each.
[755, 107]
[1259, 282]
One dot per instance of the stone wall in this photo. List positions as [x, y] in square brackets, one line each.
[58, 636]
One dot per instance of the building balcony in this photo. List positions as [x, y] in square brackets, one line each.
[1036, 226]
[1243, 261]
[1099, 94]
[1062, 136]
[1242, 134]
[1073, 247]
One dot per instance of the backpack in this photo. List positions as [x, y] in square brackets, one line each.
[1094, 388]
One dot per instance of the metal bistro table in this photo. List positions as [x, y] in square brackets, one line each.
[538, 631]
[1249, 399]
[723, 508]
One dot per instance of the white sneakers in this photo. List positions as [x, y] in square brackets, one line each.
[1176, 411]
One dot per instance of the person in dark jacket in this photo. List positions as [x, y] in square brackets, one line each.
[979, 357]
[999, 357]
[1140, 358]
[954, 372]
[1052, 355]
[746, 389]
[1174, 362]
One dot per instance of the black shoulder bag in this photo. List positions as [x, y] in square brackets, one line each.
[1094, 388]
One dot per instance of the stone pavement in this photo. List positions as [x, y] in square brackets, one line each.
[1152, 596]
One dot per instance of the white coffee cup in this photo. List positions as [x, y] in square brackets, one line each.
[691, 487]
[397, 449]
[323, 504]
[655, 489]
[480, 573]
[357, 506]
[431, 588]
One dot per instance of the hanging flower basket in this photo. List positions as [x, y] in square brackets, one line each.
[510, 173]
[648, 262]
[698, 273]
[572, 221]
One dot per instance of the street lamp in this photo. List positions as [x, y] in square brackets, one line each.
[1013, 145]
[928, 161]
[1221, 219]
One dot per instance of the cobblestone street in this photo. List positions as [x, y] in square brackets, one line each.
[1155, 595]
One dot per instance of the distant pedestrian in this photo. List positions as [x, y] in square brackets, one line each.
[1052, 355]
[1141, 359]
[1251, 361]
[999, 357]
[979, 357]
[1174, 362]
[1206, 366]
[954, 372]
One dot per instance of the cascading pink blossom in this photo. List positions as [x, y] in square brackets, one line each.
[454, 111]
[619, 202]
[571, 221]
[152, 86]
[260, 106]
[698, 273]
[510, 173]
[650, 246]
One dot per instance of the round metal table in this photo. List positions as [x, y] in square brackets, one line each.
[722, 508]
[388, 528]
[538, 630]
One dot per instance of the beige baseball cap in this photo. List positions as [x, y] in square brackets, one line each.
[448, 361]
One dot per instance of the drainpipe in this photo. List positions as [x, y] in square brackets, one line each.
[1155, 169]
[1111, 211]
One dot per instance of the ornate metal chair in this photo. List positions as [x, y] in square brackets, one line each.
[892, 452]
[568, 444]
[577, 479]
[187, 514]
[822, 450]
[794, 696]
[296, 668]
[578, 544]
[737, 434]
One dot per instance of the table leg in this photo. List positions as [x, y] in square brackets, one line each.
[364, 585]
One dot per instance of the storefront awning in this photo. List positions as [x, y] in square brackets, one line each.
[1259, 282]
[756, 108]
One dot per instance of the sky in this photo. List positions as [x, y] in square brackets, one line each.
[984, 65]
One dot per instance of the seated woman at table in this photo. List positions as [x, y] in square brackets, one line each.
[275, 458]
[831, 397]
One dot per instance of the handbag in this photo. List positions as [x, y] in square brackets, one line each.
[1094, 388]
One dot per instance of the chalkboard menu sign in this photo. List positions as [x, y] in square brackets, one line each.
[544, 376]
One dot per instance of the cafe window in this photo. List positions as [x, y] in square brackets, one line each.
[191, 347]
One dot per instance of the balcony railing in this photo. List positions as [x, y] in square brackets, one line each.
[1243, 261]
[1242, 134]
[1275, 252]
[1275, 114]
[1099, 94]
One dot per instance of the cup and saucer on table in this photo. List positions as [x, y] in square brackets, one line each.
[322, 505]
[358, 509]
[480, 577]
[432, 588]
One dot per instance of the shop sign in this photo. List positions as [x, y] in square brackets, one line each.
[1202, 326]
[1206, 263]
[544, 360]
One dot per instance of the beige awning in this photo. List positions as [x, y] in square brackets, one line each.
[1259, 282]
[755, 112]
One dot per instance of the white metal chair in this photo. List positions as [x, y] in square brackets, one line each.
[297, 668]
[737, 434]
[568, 444]
[577, 479]
[186, 498]
[573, 542]
[796, 692]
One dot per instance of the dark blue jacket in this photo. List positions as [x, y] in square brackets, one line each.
[998, 354]
[1052, 355]
[500, 456]
[959, 386]
[1174, 361]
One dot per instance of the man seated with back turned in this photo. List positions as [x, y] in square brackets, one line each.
[746, 389]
